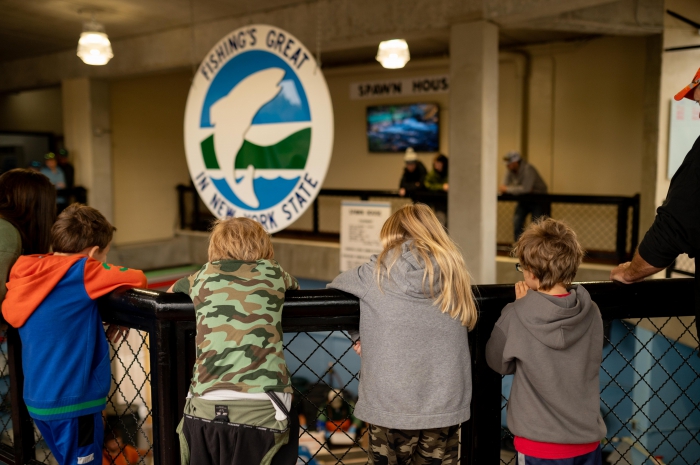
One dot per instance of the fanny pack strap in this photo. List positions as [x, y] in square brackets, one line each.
[278, 402]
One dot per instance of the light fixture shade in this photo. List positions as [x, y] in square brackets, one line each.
[94, 47]
[393, 53]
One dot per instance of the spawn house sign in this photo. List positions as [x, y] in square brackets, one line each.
[259, 127]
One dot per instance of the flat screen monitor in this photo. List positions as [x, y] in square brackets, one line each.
[394, 128]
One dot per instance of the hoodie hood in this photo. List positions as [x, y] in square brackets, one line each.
[32, 279]
[557, 322]
[407, 273]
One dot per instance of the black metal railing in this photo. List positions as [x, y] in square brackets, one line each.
[607, 226]
[649, 378]
[683, 265]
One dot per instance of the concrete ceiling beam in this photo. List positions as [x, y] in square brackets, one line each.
[518, 11]
[626, 17]
[592, 27]
[335, 25]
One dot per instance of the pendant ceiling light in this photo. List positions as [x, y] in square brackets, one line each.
[94, 47]
[393, 54]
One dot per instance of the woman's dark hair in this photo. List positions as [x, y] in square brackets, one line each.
[28, 202]
[443, 159]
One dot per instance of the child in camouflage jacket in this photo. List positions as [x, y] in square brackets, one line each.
[239, 368]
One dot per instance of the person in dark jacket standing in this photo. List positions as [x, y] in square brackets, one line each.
[676, 229]
[523, 178]
[413, 174]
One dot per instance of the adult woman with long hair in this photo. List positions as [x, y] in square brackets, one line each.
[27, 212]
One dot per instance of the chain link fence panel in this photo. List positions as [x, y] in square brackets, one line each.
[128, 417]
[649, 381]
[595, 224]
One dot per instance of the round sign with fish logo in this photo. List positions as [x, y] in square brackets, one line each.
[259, 127]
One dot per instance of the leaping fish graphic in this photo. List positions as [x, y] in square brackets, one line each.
[232, 116]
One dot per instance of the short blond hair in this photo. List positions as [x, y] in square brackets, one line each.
[550, 251]
[239, 239]
[428, 240]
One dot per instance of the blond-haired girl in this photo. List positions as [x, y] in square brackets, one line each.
[416, 306]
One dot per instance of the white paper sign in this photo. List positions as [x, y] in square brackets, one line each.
[420, 85]
[685, 129]
[360, 225]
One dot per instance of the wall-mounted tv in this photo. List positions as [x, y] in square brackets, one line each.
[394, 128]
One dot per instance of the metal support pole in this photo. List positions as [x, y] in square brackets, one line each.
[634, 241]
[315, 207]
[621, 242]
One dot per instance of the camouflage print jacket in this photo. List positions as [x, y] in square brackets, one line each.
[238, 308]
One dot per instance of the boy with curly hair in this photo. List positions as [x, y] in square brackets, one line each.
[551, 339]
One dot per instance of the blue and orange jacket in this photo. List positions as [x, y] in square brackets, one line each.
[65, 355]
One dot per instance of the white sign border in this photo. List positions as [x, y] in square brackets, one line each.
[321, 109]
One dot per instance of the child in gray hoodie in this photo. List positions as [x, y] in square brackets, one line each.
[551, 339]
[416, 306]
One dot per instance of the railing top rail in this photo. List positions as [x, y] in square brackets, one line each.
[564, 198]
[331, 309]
[574, 198]
[359, 193]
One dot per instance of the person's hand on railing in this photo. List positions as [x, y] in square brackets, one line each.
[520, 290]
[634, 271]
[115, 333]
[357, 347]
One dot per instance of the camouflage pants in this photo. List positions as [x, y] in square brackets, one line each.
[437, 446]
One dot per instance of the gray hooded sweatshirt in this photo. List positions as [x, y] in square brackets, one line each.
[554, 346]
[416, 368]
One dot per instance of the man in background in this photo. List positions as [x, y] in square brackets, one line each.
[52, 171]
[522, 178]
[55, 174]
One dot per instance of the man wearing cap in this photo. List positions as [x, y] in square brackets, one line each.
[53, 171]
[413, 174]
[55, 174]
[523, 178]
[676, 228]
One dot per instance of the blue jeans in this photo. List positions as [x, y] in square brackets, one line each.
[524, 208]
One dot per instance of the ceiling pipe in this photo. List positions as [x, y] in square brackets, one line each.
[687, 21]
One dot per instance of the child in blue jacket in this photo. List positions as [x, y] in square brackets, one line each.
[51, 299]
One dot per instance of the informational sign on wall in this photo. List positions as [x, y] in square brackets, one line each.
[360, 225]
[259, 127]
[684, 131]
[420, 85]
